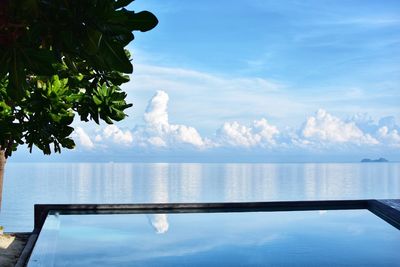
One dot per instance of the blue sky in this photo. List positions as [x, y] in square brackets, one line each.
[257, 80]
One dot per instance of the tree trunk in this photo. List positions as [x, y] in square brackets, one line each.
[2, 165]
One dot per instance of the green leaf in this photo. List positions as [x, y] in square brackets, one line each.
[142, 21]
[55, 117]
[46, 149]
[16, 88]
[124, 39]
[30, 6]
[5, 57]
[114, 56]
[39, 61]
[117, 78]
[68, 143]
[107, 119]
[70, 63]
[96, 100]
[92, 42]
[63, 57]
[67, 40]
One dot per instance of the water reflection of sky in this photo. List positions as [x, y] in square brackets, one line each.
[312, 238]
[27, 184]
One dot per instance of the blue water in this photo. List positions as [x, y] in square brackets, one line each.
[307, 238]
[27, 184]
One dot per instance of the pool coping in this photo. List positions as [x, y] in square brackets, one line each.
[386, 209]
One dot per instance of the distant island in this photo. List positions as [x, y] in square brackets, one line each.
[375, 160]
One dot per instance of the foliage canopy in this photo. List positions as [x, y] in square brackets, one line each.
[59, 58]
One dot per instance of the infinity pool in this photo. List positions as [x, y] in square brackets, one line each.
[300, 238]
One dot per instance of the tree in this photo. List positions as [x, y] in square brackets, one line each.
[60, 58]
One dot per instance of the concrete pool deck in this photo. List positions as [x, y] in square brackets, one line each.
[11, 247]
[388, 210]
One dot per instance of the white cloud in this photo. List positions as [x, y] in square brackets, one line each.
[158, 132]
[83, 138]
[319, 132]
[390, 137]
[117, 135]
[156, 111]
[324, 127]
[156, 141]
[261, 133]
[98, 138]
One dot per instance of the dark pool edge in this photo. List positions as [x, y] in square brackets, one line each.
[386, 209]
[27, 251]
[41, 210]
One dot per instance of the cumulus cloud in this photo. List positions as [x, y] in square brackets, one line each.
[367, 124]
[117, 135]
[324, 127]
[157, 110]
[260, 133]
[83, 138]
[389, 137]
[112, 135]
[320, 131]
[385, 130]
[158, 132]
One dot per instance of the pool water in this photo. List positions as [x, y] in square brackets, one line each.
[301, 238]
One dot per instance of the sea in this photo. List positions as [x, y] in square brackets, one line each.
[26, 184]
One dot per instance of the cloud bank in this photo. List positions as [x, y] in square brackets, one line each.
[321, 131]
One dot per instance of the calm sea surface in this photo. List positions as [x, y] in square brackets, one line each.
[27, 184]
